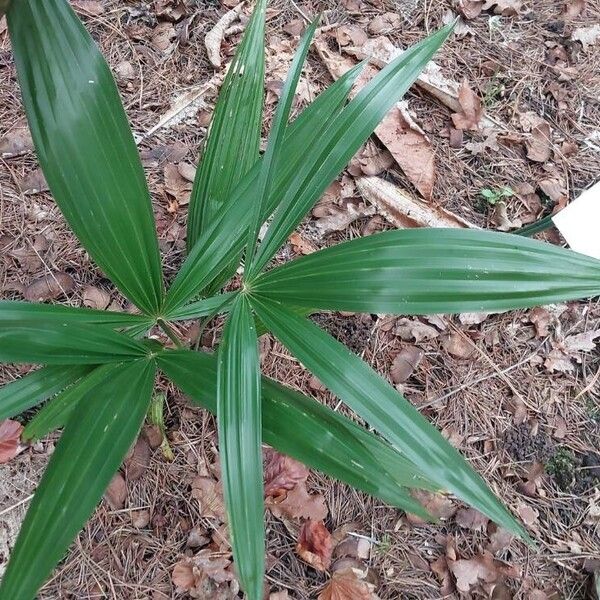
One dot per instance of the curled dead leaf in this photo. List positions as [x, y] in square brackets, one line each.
[469, 518]
[96, 298]
[137, 463]
[10, 434]
[282, 473]
[405, 362]
[16, 142]
[437, 505]
[215, 36]
[345, 585]
[116, 492]
[299, 504]
[315, 545]
[190, 573]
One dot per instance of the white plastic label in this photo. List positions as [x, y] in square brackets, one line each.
[579, 222]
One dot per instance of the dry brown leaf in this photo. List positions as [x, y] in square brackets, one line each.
[10, 434]
[299, 504]
[483, 568]
[95, 298]
[352, 547]
[437, 505]
[507, 8]
[470, 9]
[49, 287]
[138, 461]
[588, 36]
[573, 8]
[176, 185]
[209, 494]
[93, 8]
[187, 171]
[561, 357]
[501, 219]
[489, 142]
[345, 585]
[404, 211]
[409, 329]
[540, 317]
[301, 245]
[539, 141]
[340, 217]
[471, 109]
[469, 518]
[404, 363]
[315, 545]
[410, 147]
[351, 35]
[384, 23]
[458, 345]
[16, 142]
[34, 183]
[282, 473]
[190, 573]
[215, 36]
[30, 255]
[116, 492]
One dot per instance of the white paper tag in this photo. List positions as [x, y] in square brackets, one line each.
[579, 222]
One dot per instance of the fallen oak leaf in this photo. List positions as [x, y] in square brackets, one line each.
[10, 434]
[315, 545]
[189, 573]
[209, 494]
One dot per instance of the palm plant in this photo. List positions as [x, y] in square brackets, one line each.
[99, 368]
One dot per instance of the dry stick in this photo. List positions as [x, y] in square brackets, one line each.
[7, 510]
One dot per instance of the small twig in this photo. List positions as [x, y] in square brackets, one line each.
[7, 510]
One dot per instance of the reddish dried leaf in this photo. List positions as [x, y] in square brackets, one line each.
[282, 473]
[299, 504]
[137, 463]
[315, 545]
[345, 585]
[10, 433]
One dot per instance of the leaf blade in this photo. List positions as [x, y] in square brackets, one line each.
[240, 434]
[85, 146]
[35, 387]
[63, 343]
[428, 271]
[234, 135]
[367, 393]
[70, 489]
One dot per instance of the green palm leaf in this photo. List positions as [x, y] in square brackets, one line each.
[427, 271]
[89, 452]
[37, 386]
[85, 146]
[11, 310]
[63, 343]
[56, 412]
[239, 424]
[375, 400]
[234, 135]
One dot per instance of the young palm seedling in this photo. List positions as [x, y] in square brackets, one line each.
[98, 368]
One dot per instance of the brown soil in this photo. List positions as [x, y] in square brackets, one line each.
[499, 404]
